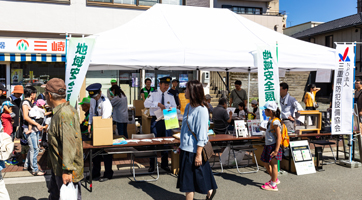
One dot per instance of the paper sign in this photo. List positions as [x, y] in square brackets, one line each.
[171, 119]
[323, 76]
[302, 157]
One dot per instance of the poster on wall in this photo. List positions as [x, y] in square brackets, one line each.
[16, 76]
[183, 78]
[323, 76]
[302, 157]
[135, 79]
[124, 76]
[152, 77]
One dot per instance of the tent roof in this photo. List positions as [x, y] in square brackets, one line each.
[169, 37]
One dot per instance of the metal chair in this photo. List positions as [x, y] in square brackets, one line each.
[250, 149]
[144, 155]
[324, 143]
[217, 150]
[220, 130]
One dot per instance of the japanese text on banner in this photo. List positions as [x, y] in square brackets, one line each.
[343, 87]
[268, 76]
[79, 53]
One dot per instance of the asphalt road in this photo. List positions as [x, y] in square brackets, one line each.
[336, 182]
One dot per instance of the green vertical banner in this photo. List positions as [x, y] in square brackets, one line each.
[79, 52]
[268, 76]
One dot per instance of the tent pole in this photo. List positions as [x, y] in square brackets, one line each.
[248, 88]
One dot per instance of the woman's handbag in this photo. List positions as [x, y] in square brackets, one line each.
[207, 150]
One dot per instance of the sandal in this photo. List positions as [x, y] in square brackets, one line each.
[39, 173]
[212, 195]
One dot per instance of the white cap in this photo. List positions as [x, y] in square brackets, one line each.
[270, 105]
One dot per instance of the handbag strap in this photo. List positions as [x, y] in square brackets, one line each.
[238, 95]
[187, 122]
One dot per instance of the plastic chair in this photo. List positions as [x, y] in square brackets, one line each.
[144, 155]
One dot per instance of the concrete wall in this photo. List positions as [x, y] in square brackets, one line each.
[295, 80]
[345, 35]
[298, 28]
[267, 21]
[21, 16]
[199, 3]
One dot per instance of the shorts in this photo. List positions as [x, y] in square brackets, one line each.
[268, 149]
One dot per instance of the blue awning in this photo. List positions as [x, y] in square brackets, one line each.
[14, 57]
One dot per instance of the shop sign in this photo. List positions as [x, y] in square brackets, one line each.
[268, 77]
[342, 105]
[78, 57]
[31, 45]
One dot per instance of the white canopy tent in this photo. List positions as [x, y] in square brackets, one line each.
[169, 37]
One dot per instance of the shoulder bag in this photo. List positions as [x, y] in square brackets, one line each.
[207, 150]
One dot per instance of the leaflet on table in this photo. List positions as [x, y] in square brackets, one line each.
[254, 128]
[240, 128]
[230, 109]
[171, 119]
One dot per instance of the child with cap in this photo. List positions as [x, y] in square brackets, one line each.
[37, 113]
[255, 113]
[272, 151]
[6, 117]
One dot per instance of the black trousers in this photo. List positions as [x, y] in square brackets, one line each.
[159, 129]
[108, 173]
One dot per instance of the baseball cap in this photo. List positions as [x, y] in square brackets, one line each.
[113, 81]
[270, 105]
[2, 87]
[86, 100]
[56, 85]
[255, 102]
[207, 97]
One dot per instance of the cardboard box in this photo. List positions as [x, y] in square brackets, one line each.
[146, 122]
[131, 129]
[102, 131]
[175, 163]
[139, 106]
[258, 152]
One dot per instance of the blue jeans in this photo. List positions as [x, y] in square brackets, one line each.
[33, 141]
[122, 129]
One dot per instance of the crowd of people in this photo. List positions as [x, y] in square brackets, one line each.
[49, 117]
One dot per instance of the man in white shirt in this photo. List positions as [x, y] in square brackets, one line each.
[100, 106]
[289, 106]
[160, 99]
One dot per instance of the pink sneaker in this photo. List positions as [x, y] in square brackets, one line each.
[278, 182]
[267, 186]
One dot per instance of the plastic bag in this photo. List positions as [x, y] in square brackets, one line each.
[227, 157]
[68, 192]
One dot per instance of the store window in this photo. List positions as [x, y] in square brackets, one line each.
[35, 73]
[244, 10]
[329, 41]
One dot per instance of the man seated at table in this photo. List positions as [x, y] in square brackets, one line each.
[221, 117]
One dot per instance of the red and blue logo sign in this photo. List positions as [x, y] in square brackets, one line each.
[345, 57]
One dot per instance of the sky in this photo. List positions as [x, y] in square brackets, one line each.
[301, 11]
